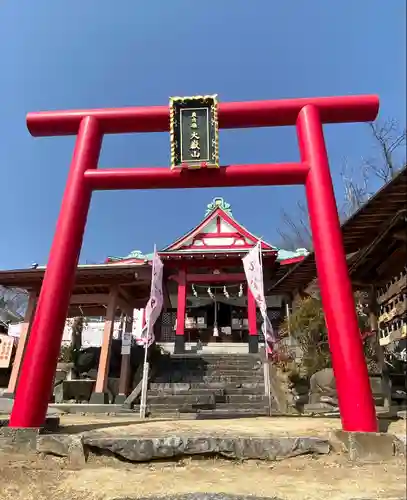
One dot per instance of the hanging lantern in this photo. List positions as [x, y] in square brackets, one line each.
[225, 292]
[241, 290]
[194, 292]
[210, 293]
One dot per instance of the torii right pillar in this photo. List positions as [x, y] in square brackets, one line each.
[348, 360]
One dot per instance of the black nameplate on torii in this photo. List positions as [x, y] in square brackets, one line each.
[194, 131]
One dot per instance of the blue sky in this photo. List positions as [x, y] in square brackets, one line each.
[100, 53]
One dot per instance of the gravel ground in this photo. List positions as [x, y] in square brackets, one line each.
[324, 477]
[103, 478]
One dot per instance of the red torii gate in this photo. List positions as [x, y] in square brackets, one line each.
[39, 365]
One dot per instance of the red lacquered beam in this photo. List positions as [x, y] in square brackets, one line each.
[165, 178]
[362, 108]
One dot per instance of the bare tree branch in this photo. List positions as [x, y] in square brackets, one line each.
[358, 183]
[388, 138]
[13, 299]
[355, 191]
[296, 233]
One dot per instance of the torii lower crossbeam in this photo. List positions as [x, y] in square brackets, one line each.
[38, 369]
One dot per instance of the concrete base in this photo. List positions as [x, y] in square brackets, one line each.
[253, 344]
[30, 441]
[120, 399]
[51, 424]
[99, 398]
[179, 345]
[365, 446]
[70, 446]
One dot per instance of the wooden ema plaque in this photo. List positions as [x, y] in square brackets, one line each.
[6, 350]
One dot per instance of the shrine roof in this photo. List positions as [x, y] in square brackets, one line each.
[384, 256]
[86, 273]
[219, 232]
[358, 232]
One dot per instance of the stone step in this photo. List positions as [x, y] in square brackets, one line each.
[240, 398]
[191, 406]
[249, 389]
[214, 362]
[159, 410]
[185, 392]
[181, 399]
[227, 390]
[213, 386]
[255, 405]
[212, 369]
[188, 378]
[225, 379]
[208, 399]
[201, 364]
[232, 413]
[212, 356]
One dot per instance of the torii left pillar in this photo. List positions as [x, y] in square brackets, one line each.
[70, 228]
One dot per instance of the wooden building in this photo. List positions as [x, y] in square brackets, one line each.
[375, 240]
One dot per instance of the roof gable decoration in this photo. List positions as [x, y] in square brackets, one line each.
[218, 203]
[291, 256]
[134, 257]
[218, 231]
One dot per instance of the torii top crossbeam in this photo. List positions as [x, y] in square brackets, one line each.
[249, 114]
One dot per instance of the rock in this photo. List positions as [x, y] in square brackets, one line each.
[322, 383]
[143, 449]
[61, 445]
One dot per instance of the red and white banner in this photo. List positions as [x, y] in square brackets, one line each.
[155, 303]
[253, 269]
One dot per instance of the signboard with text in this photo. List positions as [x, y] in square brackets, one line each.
[194, 132]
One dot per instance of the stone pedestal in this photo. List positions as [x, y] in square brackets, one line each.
[253, 344]
[179, 344]
[99, 398]
[120, 399]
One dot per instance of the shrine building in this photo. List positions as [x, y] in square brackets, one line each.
[207, 305]
[207, 301]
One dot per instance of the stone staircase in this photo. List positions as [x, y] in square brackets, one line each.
[211, 385]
